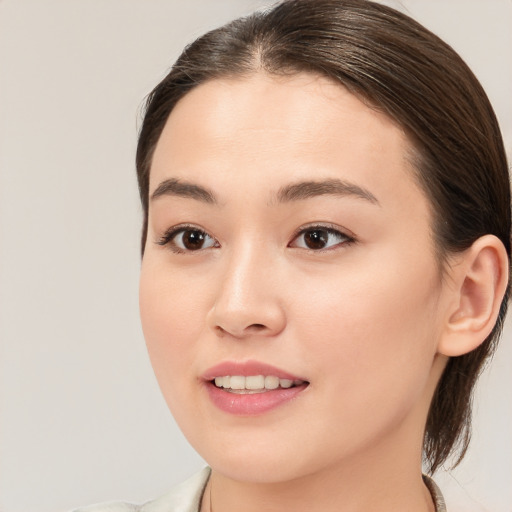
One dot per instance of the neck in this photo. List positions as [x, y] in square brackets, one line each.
[357, 486]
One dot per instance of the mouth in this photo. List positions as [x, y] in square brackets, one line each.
[251, 388]
[252, 384]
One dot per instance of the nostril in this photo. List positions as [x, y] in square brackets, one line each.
[253, 328]
[257, 327]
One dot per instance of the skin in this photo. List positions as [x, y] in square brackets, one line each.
[361, 320]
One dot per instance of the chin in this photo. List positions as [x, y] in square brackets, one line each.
[251, 458]
[260, 458]
[259, 470]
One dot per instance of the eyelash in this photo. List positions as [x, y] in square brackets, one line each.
[330, 230]
[168, 238]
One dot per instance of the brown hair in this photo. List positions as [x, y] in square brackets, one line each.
[404, 70]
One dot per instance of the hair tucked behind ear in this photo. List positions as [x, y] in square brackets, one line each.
[404, 70]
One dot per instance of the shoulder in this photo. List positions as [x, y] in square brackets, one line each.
[185, 497]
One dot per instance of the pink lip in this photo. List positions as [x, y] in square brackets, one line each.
[246, 368]
[250, 404]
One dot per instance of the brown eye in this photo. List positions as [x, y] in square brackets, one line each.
[191, 239]
[188, 239]
[318, 238]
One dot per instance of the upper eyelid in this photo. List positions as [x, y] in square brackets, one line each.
[323, 225]
[184, 227]
[171, 232]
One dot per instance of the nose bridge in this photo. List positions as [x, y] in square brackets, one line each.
[245, 269]
[248, 299]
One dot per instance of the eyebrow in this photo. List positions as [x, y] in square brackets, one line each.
[309, 189]
[293, 192]
[175, 187]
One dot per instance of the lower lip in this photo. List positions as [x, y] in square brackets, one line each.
[252, 404]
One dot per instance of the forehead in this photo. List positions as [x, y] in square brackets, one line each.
[256, 131]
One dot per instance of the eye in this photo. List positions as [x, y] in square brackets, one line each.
[316, 238]
[187, 239]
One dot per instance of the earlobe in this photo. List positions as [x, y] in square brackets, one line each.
[480, 280]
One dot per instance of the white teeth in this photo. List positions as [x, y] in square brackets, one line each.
[271, 382]
[254, 382]
[237, 382]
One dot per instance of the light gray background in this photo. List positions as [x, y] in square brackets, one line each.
[82, 419]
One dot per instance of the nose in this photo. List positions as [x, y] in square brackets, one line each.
[248, 302]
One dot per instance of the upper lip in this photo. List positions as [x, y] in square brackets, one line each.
[247, 368]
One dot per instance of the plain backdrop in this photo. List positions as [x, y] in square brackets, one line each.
[82, 419]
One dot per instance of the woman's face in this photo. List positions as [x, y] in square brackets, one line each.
[290, 247]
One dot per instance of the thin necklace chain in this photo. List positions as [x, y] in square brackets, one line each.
[210, 494]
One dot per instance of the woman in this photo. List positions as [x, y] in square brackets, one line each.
[326, 251]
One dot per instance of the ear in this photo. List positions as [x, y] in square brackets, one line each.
[479, 278]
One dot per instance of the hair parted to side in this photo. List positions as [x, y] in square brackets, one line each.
[401, 68]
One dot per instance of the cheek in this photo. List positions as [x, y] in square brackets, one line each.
[372, 334]
[172, 318]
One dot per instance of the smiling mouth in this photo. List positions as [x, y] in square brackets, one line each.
[251, 388]
[252, 384]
